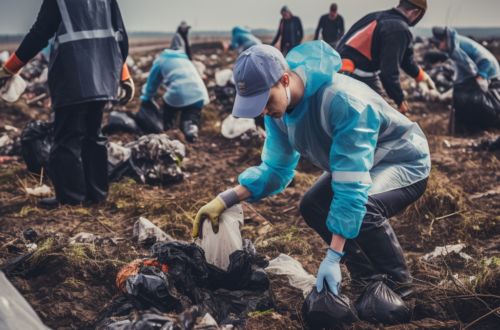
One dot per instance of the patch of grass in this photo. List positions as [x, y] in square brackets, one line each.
[10, 176]
[210, 123]
[441, 198]
[487, 273]
[105, 221]
[477, 224]
[26, 211]
[41, 253]
[283, 239]
[73, 281]
[269, 312]
[81, 211]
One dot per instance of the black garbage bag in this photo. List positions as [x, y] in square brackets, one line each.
[326, 310]
[120, 163]
[474, 107]
[379, 304]
[241, 302]
[149, 118]
[12, 264]
[36, 141]
[121, 121]
[118, 307]
[435, 56]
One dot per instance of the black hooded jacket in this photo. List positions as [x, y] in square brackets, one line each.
[291, 33]
[382, 41]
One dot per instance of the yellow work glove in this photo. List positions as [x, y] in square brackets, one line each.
[4, 76]
[428, 81]
[211, 211]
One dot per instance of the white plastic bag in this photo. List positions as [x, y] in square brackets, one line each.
[218, 247]
[222, 77]
[233, 127]
[299, 278]
[145, 232]
[13, 88]
[15, 312]
[4, 56]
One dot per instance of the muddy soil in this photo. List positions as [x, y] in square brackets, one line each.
[69, 285]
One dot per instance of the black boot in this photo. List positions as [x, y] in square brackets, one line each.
[190, 131]
[49, 203]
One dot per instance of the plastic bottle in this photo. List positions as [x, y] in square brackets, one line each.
[13, 88]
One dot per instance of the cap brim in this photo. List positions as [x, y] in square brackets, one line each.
[250, 106]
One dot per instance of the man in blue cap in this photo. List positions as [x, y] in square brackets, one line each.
[376, 160]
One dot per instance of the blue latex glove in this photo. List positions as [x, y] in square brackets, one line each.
[330, 271]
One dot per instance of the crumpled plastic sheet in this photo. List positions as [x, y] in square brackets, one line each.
[379, 304]
[36, 141]
[298, 277]
[10, 144]
[443, 251]
[157, 158]
[145, 232]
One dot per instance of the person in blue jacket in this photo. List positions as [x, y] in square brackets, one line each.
[243, 39]
[376, 161]
[186, 91]
[471, 58]
[476, 86]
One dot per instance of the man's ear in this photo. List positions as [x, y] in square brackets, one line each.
[285, 79]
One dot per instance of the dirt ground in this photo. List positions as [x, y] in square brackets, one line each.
[68, 286]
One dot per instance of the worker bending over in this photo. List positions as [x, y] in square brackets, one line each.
[376, 161]
[86, 67]
[243, 39]
[186, 91]
[379, 44]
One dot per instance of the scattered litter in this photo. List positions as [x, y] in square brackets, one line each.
[4, 56]
[298, 277]
[443, 251]
[85, 238]
[145, 232]
[119, 162]
[379, 304]
[213, 56]
[218, 247]
[130, 61]
[13, 88]
[30, 234]
[202, 57]
[31, 247]
[10, 128]
[36, 140]
[472, 278]
[11, 264]
[15, 311]
[10, 145]
[326, 310]
[465, 256]
[223, 77]
[447, 144]
[490, 193]
[200, 67]
[234, 127]
[42, 191]
[157, 159]
[5, 159]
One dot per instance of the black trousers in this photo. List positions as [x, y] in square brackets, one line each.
[79, 156]
[376, 249]
[188, 113]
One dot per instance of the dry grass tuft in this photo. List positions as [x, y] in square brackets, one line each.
[284, 239]
[304, 180]
[41, 253]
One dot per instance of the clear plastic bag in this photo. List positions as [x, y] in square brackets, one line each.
[218, 247]
[299, 278]
[13, 88]
[15, 312]
[235, 127]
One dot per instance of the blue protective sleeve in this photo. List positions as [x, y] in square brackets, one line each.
[351, 158]
[279, 160]
[483, 67]
[155, 79]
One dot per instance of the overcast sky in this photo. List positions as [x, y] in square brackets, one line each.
[16, 16]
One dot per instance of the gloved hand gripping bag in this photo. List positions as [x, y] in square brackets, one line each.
[379, 304]
[325, 309]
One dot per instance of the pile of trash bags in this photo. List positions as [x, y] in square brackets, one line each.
[148, 120]
[178, 277]
[153, 159]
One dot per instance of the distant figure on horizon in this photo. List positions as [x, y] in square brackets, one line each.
[331, 27]
[290, 31]
[181, 40]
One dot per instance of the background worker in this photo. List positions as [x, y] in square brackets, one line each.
[376, 161]
[86, 68]
[181, 39]
[379, 44]
[186, 91]
[290, 31]
[331, 26]
[476, 86]
[243, 39]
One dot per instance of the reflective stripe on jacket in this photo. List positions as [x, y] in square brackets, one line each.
[88, 52]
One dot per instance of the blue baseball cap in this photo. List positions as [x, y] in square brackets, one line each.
[256, 71]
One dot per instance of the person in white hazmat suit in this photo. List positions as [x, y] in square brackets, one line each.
[376, 160]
